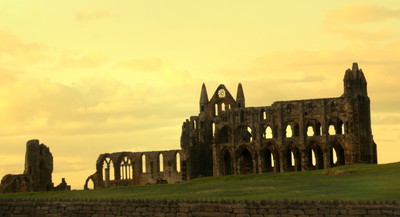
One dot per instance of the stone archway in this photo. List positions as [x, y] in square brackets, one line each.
[226, 163]
[245, 162]
[315, 157]
[87, 182]
[270, 160]
[292, 158]
[337, 157]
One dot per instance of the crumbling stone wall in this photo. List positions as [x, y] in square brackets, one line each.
[39, 165]
[16, 183]
[228, 138]
[136, 168]
[137, 208]
[37, 173]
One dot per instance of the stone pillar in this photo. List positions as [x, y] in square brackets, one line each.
[304, 159]
[107, 177]
[259, 160]
[216, 166]
[327, 158]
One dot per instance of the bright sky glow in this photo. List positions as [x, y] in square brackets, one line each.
[90, 77]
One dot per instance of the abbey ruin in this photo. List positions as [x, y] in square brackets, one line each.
[38, 171]
[228, 138]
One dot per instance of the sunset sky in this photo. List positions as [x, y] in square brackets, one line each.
[90, 77]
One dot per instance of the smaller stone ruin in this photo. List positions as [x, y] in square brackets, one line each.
[37, 173]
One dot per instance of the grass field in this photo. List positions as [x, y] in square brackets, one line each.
[355, 182]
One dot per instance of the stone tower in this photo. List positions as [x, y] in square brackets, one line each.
[356, 97]
[39, 165]
[37, 173]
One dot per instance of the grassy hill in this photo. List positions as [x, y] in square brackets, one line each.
[355, 182]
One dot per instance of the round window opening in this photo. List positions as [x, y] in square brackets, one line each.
[221, 93]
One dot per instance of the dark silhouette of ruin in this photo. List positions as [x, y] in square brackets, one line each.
[37, 173]
[227, 138]
[136, 168]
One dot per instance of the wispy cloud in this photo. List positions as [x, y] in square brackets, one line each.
[103, 106]
[149, 64]
[13, 49]
[360, 14]
[151, 67]
[357, 34]
[77, 59]
[91, 13]
[355, 22]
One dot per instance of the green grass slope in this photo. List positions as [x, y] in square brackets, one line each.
[355, 182]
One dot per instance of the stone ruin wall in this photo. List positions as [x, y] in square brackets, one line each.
[189, 208]
[39, 165]
[136, 168]
[246, 128]
[38, 171]
[228, 138]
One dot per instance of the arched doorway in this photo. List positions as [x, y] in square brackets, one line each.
[270, 161]
[245, 162]
[292, 159]
[226, 163]
[315, 157]
[89, 184]
[337, 155]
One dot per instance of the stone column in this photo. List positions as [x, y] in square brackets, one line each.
[107, 177]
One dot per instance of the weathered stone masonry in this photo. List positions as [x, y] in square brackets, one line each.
[137, 208]
[37, 173]
[228, 138]
[136, 168]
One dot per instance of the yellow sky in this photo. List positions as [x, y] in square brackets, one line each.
[90, 77]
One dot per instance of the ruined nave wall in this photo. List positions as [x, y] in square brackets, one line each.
[136, 168]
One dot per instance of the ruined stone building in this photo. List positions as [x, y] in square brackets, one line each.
[228, 138]
[136, 168]
[37, 173]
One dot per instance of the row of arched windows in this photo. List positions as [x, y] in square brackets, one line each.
[310, 109]
[271, 162]
[291, 130]
[222, 107]
[126, 167]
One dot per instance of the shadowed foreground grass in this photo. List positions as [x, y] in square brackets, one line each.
[355, 182]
